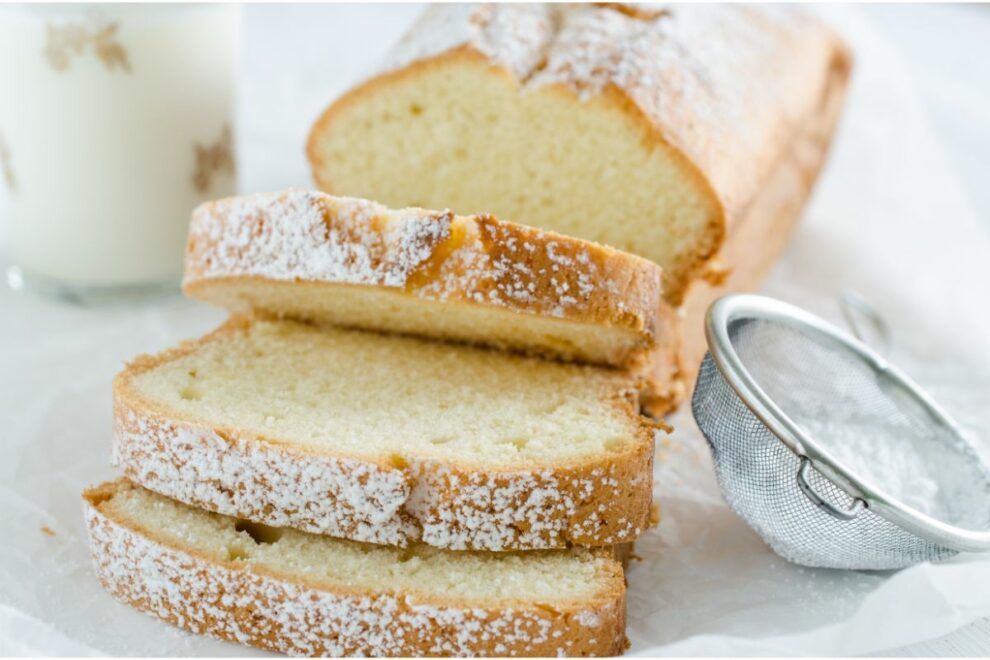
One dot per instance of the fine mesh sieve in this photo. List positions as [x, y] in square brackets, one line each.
[826, 450]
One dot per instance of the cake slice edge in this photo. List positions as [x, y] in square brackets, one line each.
[243, 602]
[598, 500]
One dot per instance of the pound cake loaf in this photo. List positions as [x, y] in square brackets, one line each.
[355, 263]
[296, 593]
[388, 439]
[688, 134]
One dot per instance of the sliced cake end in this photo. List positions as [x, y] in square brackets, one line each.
[291, 592]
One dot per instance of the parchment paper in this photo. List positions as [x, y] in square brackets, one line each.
[888, 219]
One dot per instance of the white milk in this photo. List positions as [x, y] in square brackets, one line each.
[115, 121]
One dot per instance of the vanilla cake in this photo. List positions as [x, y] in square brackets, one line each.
[286, 591]
[388, 439]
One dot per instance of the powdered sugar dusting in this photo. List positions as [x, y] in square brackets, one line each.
[309, 236]
[431, 501]
[340, 497]
[722, 82]
[233, 601]
[300, 235]
[514, 36]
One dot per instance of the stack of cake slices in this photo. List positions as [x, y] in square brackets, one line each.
[417, 434]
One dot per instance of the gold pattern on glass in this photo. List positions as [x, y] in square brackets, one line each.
[213, 159]
[71, 40]
[7, 167]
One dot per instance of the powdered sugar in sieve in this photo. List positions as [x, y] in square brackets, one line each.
[830, 453]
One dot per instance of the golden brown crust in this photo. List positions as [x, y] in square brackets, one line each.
[431, 255]
[761, 235]
[262, 607]
[661, 368]
[596, 501]
[624, 553]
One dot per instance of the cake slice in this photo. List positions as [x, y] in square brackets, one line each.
[476, 279]
[301, 594]
[388, 439]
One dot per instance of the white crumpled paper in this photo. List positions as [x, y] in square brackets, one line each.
[888, 219]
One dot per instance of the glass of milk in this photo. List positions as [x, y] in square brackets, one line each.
[115, 121]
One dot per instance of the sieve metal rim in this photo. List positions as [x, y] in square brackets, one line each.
[732, 307]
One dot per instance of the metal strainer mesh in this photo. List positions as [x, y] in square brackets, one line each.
[825, 390]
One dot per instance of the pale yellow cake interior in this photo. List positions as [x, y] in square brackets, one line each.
[394, 398]
[552, 576]
[394, 310]
[458, 134]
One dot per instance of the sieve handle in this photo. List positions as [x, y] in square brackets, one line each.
[856, 309]
[805, 484]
